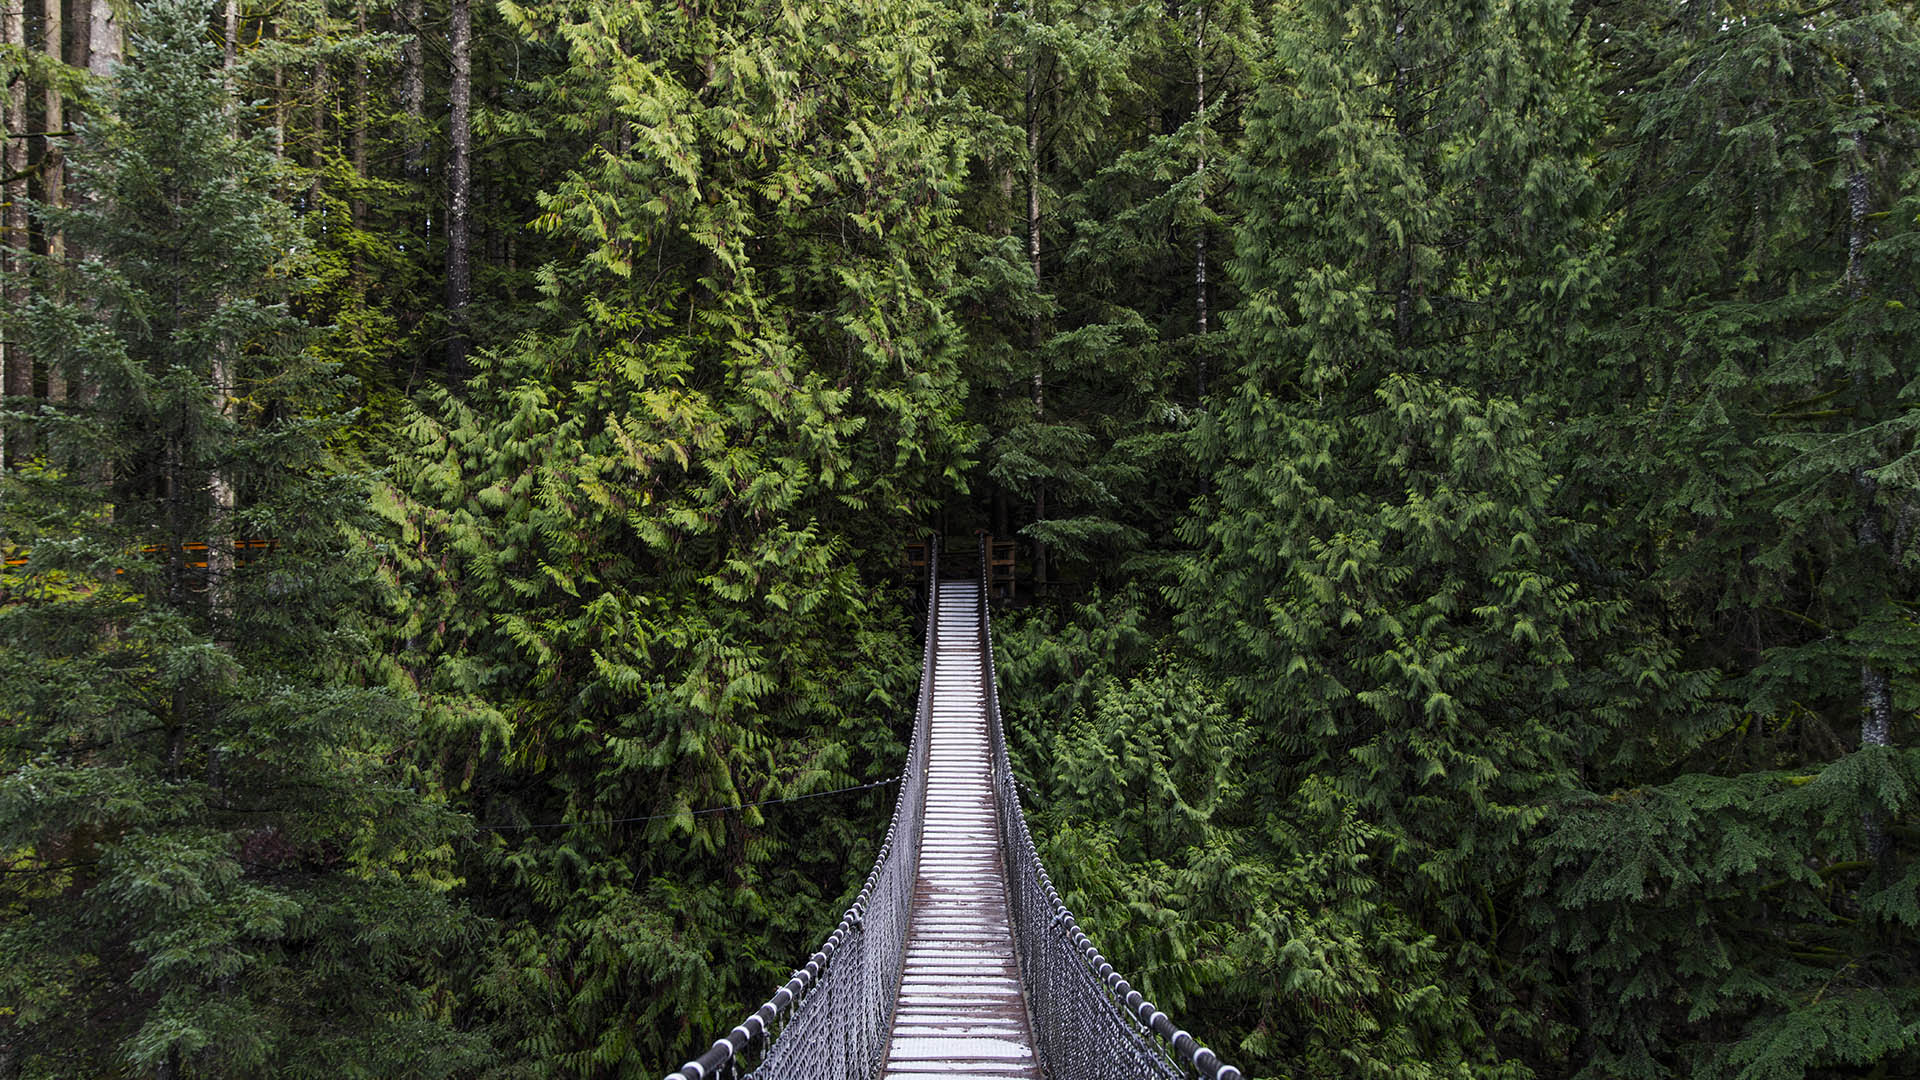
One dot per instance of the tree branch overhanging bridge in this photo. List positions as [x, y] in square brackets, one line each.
[957, 960]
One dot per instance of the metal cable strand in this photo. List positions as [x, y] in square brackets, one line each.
[832, 1018]
[1088, 1023]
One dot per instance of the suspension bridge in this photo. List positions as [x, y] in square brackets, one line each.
[957, 960]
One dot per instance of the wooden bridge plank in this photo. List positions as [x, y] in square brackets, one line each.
[961, 1015]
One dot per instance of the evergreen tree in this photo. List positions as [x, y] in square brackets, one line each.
[652, 543]
[1503, 654]
[1741, 900]
[1380, 573]
[1053, 75]
[1085, 364]
[215, 864]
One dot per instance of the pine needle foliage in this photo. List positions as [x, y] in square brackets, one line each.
[1737, 902]
[1463, 459]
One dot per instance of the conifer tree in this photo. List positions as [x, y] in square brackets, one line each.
[215, 864]
[1379, 573]
[652, 541]
[1751, 438]
[1101, 192]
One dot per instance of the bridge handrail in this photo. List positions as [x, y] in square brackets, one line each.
[1064, 972]
[788, 1007]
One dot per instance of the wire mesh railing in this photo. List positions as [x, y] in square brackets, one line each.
[1088, 1023]
[832, 1018]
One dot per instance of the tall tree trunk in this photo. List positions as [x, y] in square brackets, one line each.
[77, 31]
[1403, 126]
[1035, 329]
[1005, 168]
[459, 185]
[1858, 198]
[1200, 196]
[357, 146]
[103, 38]
[413, 97]
[17, 381]
[97, 47]
[230, 41]
[413, 87]
[279, 99]
[317, 115]
[1876, 689]
[219, 539]
[53, 162]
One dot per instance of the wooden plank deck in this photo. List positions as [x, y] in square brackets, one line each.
[961, 1015]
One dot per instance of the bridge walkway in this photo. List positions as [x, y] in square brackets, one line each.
[961, 1014]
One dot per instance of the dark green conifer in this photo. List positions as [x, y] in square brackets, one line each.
[655, 540]
[1735, 895]
[1380, 573]
[215, 866]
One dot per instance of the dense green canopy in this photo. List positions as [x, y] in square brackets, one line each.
[1464, 458]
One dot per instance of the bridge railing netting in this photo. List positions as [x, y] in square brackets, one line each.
[832, 1019]
[1088, 1022]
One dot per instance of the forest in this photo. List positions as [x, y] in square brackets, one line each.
[1464, 458]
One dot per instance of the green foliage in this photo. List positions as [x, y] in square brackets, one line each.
[1259, 923]
[1379, 575]
[1087, 366]
[651, 540]
[1740, 911]
[1753, 350]
[214, 866]
[1473, 450]
[1653, 894]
